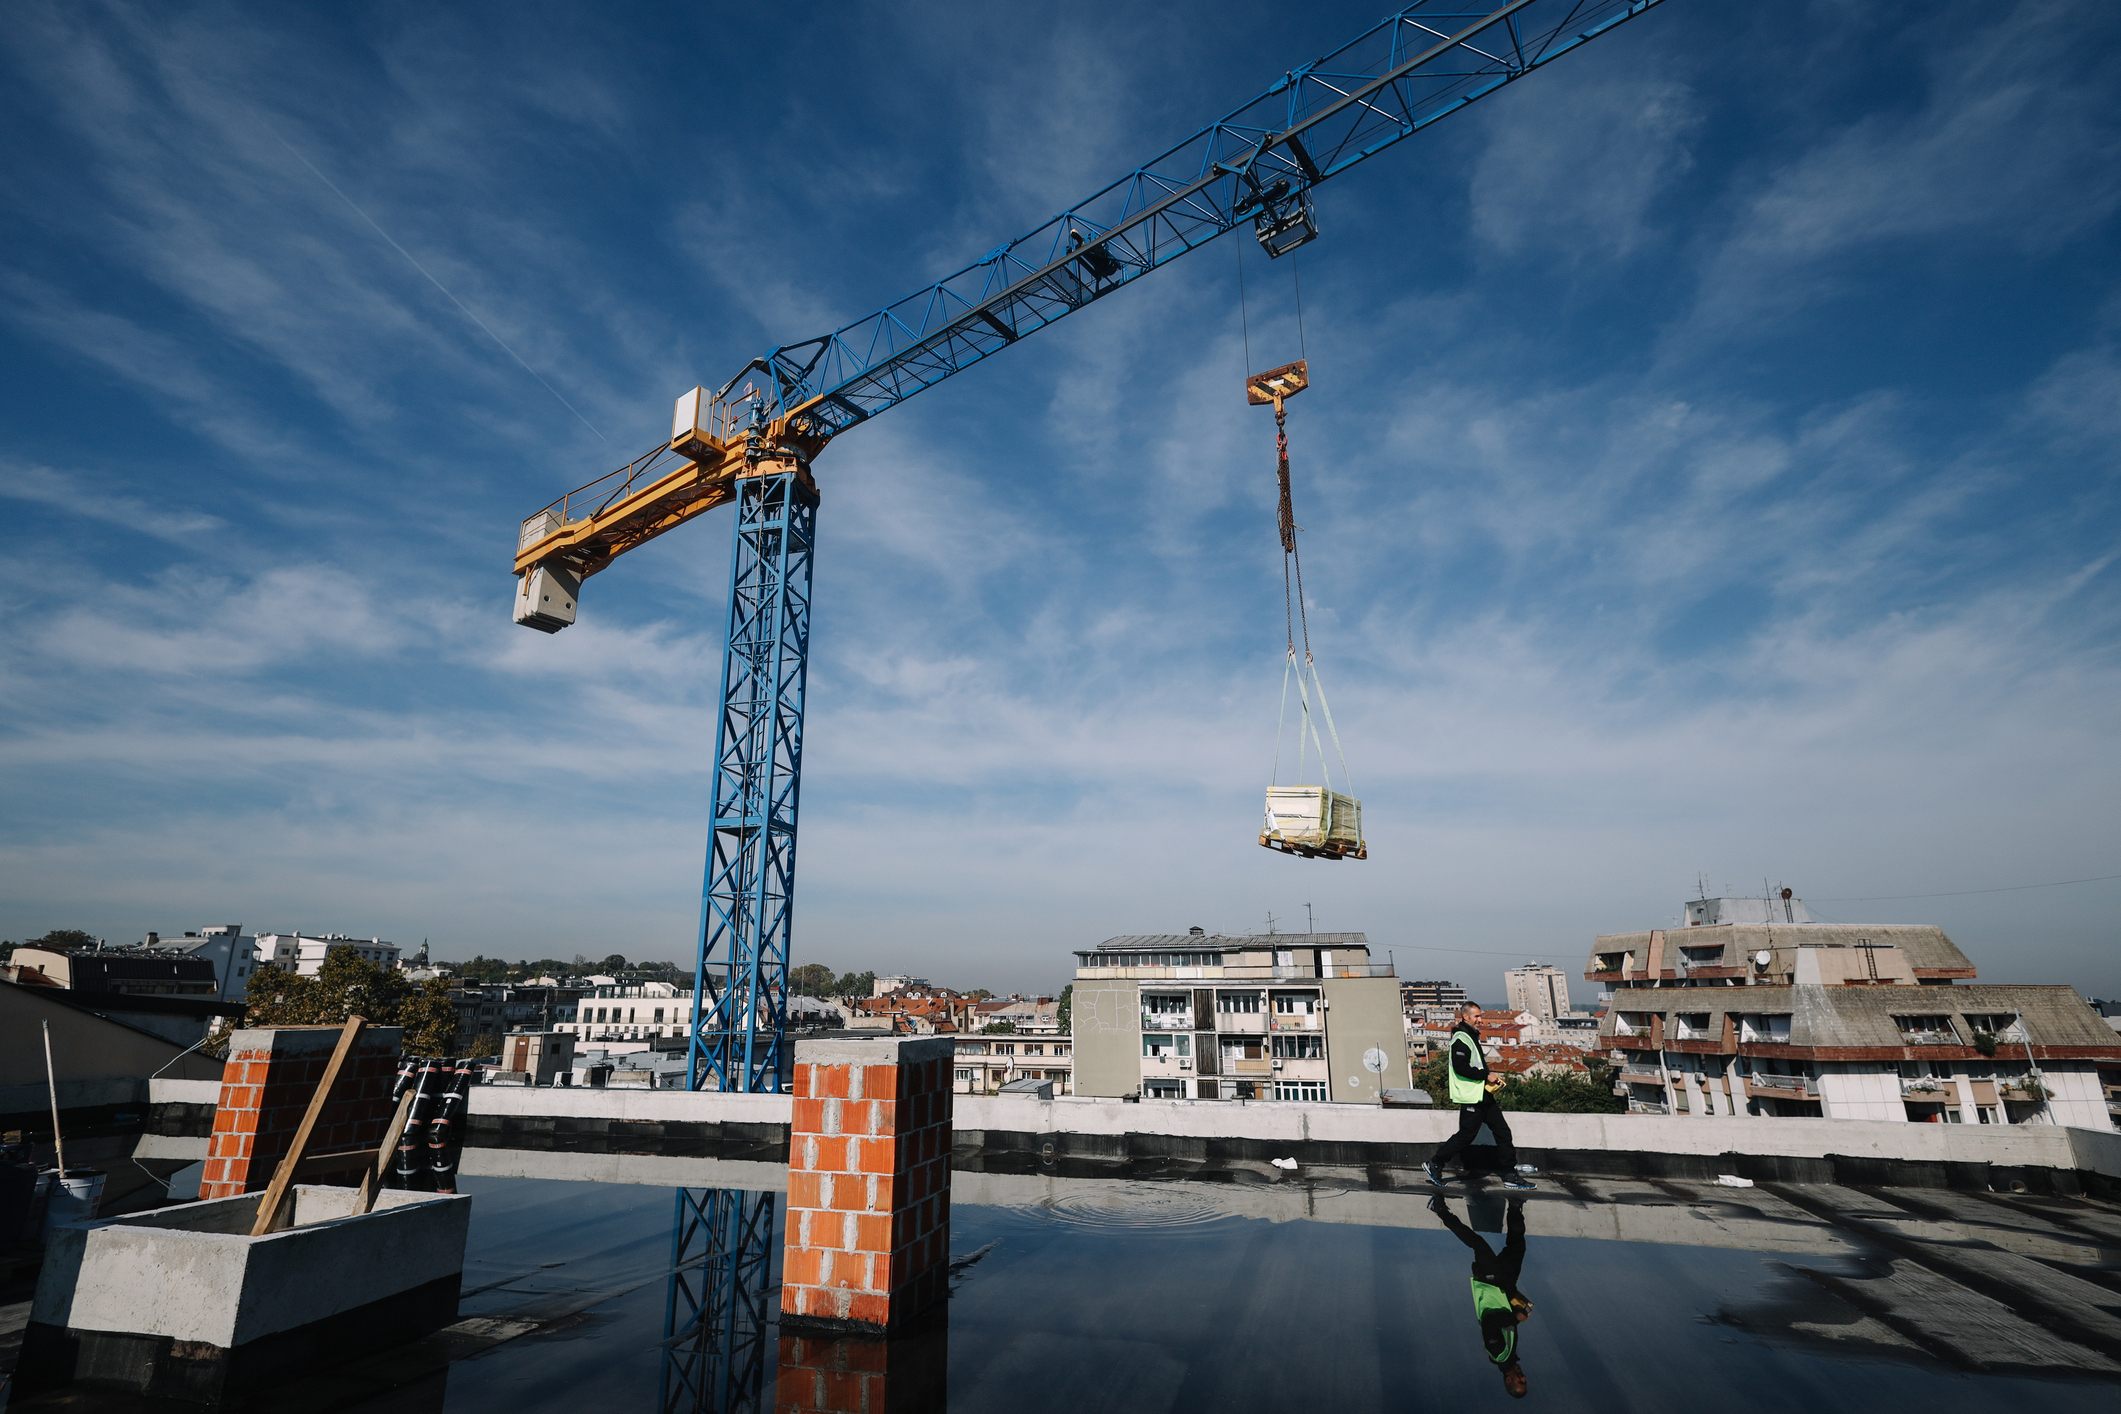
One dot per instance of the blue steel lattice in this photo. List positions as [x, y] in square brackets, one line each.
[740, 978]
[1258, 163]
[715, 1319]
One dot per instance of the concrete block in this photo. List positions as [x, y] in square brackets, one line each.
[183, 1303]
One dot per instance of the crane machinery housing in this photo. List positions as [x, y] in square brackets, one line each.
[752, 441]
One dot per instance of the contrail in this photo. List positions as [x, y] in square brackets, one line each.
[437, 284]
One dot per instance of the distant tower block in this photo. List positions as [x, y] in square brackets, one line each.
[868, 1234]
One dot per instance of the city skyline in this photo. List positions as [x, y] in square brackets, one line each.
[1709, 465]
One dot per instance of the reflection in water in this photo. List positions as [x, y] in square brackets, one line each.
[722, 1303]
[1497, 1303]
[723, 1311]
[852, 1374]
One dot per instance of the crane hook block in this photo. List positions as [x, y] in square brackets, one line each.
[1278, 383]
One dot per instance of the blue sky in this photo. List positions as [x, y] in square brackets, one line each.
[1710, 470]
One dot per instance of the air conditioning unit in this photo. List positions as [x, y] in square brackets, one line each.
[1277, 1062]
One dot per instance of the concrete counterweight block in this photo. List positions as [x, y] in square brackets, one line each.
[868, 1232]
[182, 1303]
[265, 1090]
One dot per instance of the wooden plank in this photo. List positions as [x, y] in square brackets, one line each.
[373, 1179]
[283, 1177]
[340, 1162]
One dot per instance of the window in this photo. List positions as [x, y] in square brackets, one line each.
[1060, 1050]
[1056, 1075]
[1164, 1047]
[1300, 1090]
[1004, 1048]
[1166, 1090]
[658, 1013]
[1160, 1004]
[1033, 1048]
[2003, 1025]
[1693, 1026]
[964, 1075]
[1300, 1047]
[1295, 1003]
[1927, 1030]
[1242, 1003]
[1772, 1029]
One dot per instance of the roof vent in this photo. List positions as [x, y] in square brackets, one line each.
[1196, 932]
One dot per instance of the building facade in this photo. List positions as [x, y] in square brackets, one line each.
[1275, 1016]
[1768, 1017]
[1537, 987]
[986, 1063]
[1431, 994]
[304, 955]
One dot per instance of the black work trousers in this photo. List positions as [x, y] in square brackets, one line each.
[1470, 1119]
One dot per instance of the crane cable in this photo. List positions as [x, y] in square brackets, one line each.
[1292, 576]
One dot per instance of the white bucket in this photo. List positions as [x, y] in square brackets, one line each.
[74, 1197]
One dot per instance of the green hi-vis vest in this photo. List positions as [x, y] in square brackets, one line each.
[1489, 1297]
[1464, 1091]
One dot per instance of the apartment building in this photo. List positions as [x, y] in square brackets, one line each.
[1273, 1016]
[1414, 995]
[302, 954]
[986, 1063]
[618, 1012]
[1537, 987]
[1766, 1017]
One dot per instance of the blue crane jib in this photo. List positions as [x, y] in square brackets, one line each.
[1259, 163]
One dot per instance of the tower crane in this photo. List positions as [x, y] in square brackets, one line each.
[752, 442]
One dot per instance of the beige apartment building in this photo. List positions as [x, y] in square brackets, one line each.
[1539, 988]
[1271, 1016]
[1752, 1010]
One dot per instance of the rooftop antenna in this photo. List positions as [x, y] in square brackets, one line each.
[1270, 922]
[1310, 925]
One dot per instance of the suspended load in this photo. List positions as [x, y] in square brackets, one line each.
[1311, 821]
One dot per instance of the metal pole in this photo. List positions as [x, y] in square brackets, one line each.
[51, 1078]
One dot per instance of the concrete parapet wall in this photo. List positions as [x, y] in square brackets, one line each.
[708, 1124]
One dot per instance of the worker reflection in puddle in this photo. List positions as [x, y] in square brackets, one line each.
[1497, 1303]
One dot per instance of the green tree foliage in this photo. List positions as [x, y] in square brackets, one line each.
[614, 963]
[812, 979]
[1579, 1092]
[62, 938]
[854, 984]
[999, 1028]
[350, 985]
[1067, 1004]
[980, 994]
[483, 969]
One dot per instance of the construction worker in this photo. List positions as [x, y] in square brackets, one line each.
[1473, 1091]
[1497, 1303]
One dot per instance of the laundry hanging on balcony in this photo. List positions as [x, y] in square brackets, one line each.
[1314, 821]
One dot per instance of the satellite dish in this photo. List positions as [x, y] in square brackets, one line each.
[1762, 958]
[1373, 1060]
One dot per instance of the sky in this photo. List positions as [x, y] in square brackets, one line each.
[1709, 474]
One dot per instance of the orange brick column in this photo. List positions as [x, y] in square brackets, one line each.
[265, 1089]
[868, 1230]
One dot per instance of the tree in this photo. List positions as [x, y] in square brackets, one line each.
[61, 939]
[812, 979]
[485, 969]
[430, 1022]
[350, 985]
[979, 994]
[854, 984]
[614, 963]
[999, 1028]
[1067, 1007]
